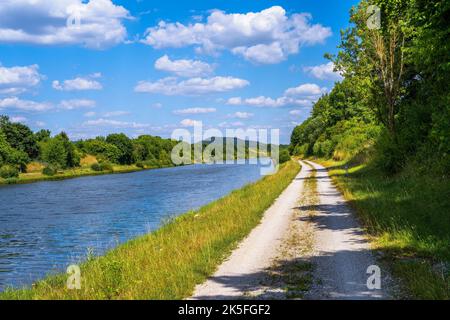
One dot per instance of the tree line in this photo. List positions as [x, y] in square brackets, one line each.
[394, 99]
[19, 146]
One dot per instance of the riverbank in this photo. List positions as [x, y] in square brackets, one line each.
[168, 263]
[73, 173]
[407, 218]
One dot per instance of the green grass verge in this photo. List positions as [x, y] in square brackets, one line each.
[72, 173]
[408, 216]
[168, 263]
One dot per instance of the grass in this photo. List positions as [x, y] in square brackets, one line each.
[168, 263]
[84, 170]
[408, 216]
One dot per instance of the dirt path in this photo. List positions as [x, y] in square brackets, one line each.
[247, 266]
[342, 252]
[308, 245]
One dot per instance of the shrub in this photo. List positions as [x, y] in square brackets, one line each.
[49, 171]
[284, 156]
[106, 166]
[139, 164]
[7, 172]
[96, 167]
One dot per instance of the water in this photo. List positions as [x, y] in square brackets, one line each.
[46, 226]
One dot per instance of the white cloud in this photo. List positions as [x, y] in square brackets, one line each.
[115, 114]
[268, 102]
[324, 72]
[18, 79]
[76, 104]
[90, 114]
[306, 90]
[194, 111]
[242, 115]
[157, 105]
[18, 119]
[231, 124]
[268, 36]
[94, 24]
[78, 84]
[115, 124]
[302, 96]
[183, 67]
[190, 123]
[24, 105]
[40, 124]
[295, 112]
[194, 86]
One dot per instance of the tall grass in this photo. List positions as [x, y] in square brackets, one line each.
[168, 263]
[408, 216]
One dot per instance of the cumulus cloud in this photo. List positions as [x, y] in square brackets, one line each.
[295, 112]
[78, 84]
[242, 115]
[115, 114]
[234, 124]
[183, 67]
[324, 72]
[190, 123]
[93, 24]
[311, 90]
[302, 96]
[18, 119]
[115, 124]
[267, 102]
[76, 104]
[194, 86]
[24, 105]
[268, 36]
[194, 111]
[18, 79]
[90, 114]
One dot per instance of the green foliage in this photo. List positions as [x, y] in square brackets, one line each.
[102, 149]
[19, 136]
[96, 167]
[394, 91]
[49, 171]
[9, 155]
[124, 145]
[284, 156]
[8, 171]
[54, 153]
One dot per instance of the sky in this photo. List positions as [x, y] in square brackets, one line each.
[96, 67]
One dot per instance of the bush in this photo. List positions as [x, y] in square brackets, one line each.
[106, 166]
[284, 156]
[96, 167]
[7, 172]
[49, 171]
[139, 164]
[103, 166]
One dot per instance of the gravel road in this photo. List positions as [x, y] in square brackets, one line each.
[341, 254]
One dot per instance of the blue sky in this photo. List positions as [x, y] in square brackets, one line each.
[148, 67]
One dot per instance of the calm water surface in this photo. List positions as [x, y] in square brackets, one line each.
[46, 226]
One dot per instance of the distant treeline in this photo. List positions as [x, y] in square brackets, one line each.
[19, 146]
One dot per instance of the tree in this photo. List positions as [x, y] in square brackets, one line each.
[54, 152]
[125, 146]
[19, 136]
[11, 156]
[42, 135]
